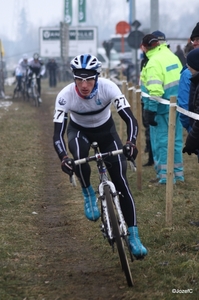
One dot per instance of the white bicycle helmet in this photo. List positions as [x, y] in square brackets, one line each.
[25, 56]
[36, 56]
[86, 61]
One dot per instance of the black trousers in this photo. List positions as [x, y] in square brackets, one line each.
[79, 141]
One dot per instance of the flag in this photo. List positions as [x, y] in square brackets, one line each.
[2, 52]
[82, 11]
[68, 11]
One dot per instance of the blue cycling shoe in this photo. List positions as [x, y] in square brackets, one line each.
[90, 204]
[137, 249]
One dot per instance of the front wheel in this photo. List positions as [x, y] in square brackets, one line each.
[117, 236]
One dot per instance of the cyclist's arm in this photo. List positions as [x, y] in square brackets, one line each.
[60, 122]
[131, 123]
[124, 110]
[43, 70]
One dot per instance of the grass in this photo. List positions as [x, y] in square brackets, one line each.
[32, 257]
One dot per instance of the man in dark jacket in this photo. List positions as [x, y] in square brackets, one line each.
[52, 72]
[195, 41]
[192, 141]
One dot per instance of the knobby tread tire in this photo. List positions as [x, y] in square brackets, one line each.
[118, 238]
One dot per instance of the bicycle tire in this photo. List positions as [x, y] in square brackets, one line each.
[34, 96]
[117, 235]
[23, 91]
[15, 93]
[37, 104]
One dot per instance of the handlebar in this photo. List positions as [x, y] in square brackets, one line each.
[97, 156]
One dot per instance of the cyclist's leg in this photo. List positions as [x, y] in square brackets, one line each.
[117, 168]
[30, 74]
[19, 79]
[38, 84]
[79, 147]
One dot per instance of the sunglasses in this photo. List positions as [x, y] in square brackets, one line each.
[195, 40]
[81, 79]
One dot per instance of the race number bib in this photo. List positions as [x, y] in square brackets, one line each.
[120, 103]
[58, 116]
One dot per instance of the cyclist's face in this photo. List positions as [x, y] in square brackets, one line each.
[85, 85]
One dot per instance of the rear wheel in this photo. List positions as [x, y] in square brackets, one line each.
[117, 236]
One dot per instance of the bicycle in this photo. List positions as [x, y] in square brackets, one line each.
[34, 91]
[113, 226]
[20, 90]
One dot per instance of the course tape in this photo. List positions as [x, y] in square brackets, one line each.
[160, 100]
[167, 102]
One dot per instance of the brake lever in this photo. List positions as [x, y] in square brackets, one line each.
[73, 180]
[132, 164]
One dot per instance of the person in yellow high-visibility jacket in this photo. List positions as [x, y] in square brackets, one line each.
[160, 77]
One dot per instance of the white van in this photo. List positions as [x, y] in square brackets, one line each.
[114, 59]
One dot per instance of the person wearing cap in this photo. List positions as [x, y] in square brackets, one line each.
[160, 36]
[192, 140]
[88, 101]
[150, 146]
[160, 78]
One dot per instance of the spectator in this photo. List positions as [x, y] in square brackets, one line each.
[148, 148]
[160, 78]
[180, 55]
[195, 42]
[184, 89]
[192, 141]
[149, 130]
[52, 72]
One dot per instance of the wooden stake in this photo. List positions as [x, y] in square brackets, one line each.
[138, 143]
[170, 161]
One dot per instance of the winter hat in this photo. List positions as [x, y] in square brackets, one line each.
[193, 59]
[150, 40]
[160, 35]
[195, 32]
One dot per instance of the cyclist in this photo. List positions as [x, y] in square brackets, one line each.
[21, 70]
[37, 67]
[88, 100]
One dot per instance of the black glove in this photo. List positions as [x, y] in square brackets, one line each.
[189, 151]
[67, 165]
[130, 150]
[151, 118]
